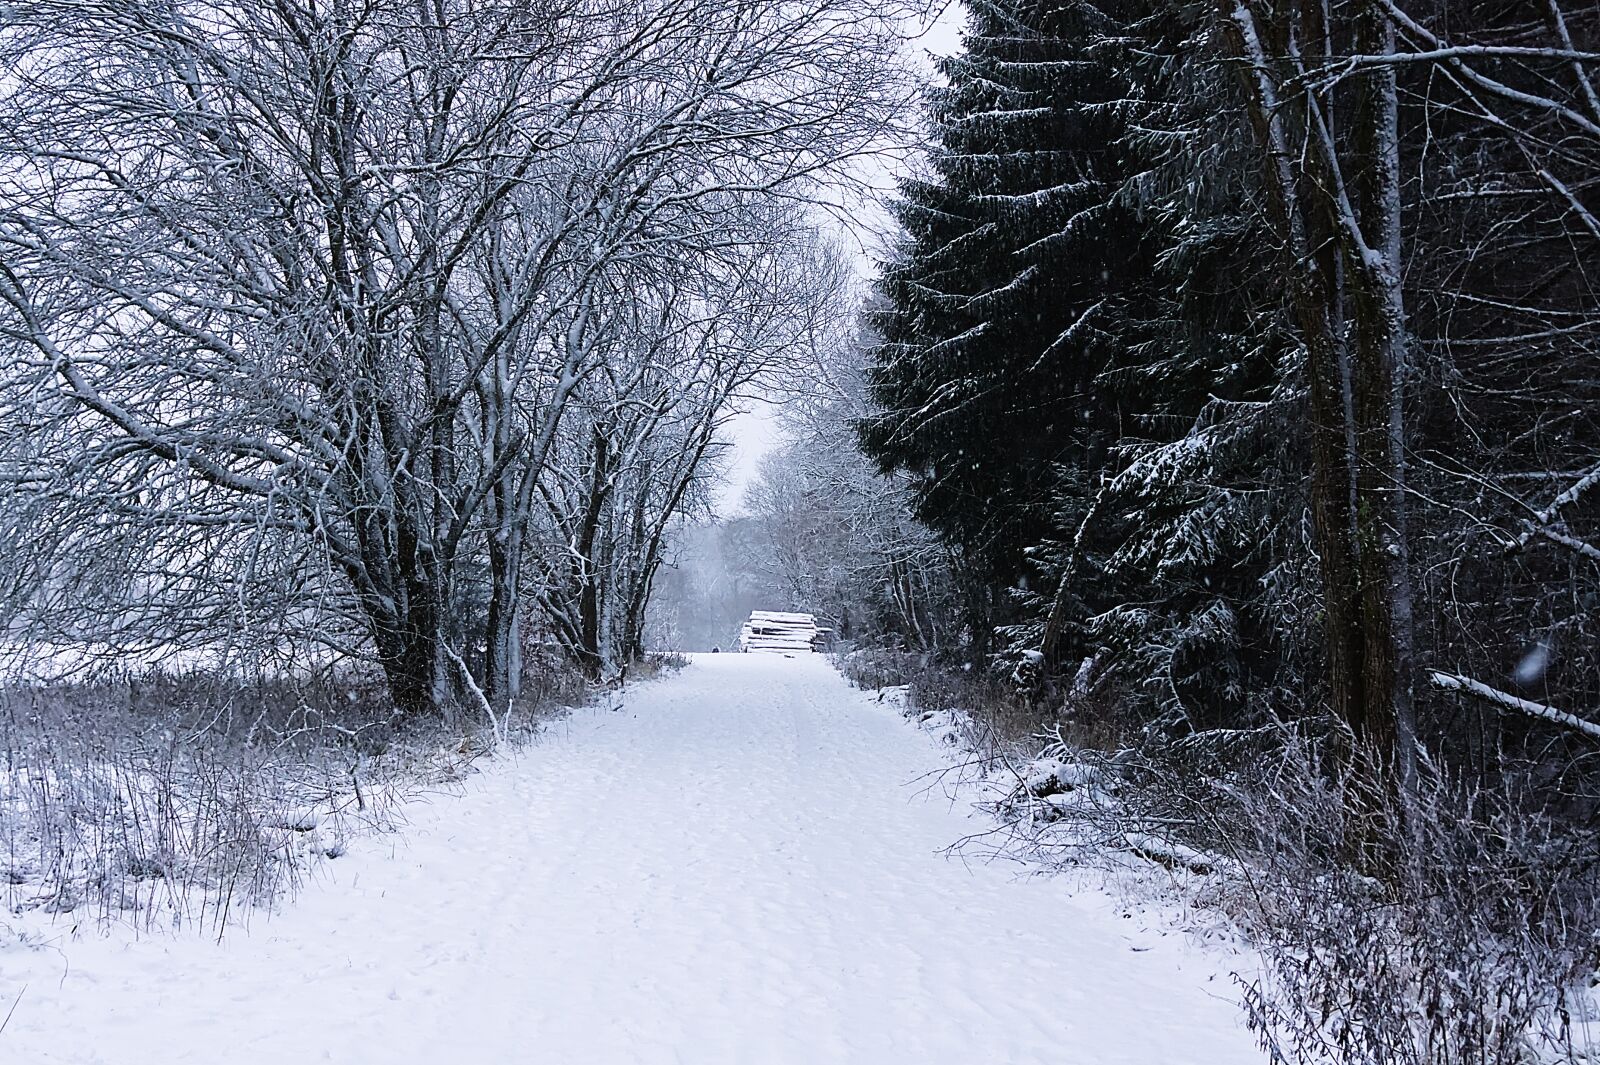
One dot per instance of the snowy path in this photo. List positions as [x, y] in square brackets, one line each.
[726, 870]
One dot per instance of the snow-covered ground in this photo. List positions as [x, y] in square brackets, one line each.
[735, 866]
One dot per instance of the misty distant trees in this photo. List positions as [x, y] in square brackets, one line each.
[823, 533]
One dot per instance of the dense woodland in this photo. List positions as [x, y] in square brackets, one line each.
[1252, 358]
[1244, 366]
[1241, 362]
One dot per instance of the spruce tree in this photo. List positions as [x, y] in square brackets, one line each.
[1015, 251]
[1198, 499]
[1082, 365]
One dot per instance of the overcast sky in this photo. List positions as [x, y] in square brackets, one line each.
[755, 433]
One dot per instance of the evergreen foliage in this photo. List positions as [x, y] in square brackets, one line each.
[1079, 367]
[1098, 359]
[1017, 250]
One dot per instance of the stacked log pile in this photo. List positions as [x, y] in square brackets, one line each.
[779, 632]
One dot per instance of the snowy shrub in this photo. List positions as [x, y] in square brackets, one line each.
[876, 668]
[189, 800]
[1477, 948]
[656, 664]
[1474, 948]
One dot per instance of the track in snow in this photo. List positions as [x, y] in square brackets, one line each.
[729, 869]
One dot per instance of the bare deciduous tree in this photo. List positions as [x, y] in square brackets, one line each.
[319, 284]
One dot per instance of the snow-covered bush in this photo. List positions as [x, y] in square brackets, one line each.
[1476, 947]
[1472, 944]
[189, 800]
[656, 664]
[876, 668]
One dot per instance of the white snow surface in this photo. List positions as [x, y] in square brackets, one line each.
[742, 864]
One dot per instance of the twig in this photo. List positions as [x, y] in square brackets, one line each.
[13, 1009]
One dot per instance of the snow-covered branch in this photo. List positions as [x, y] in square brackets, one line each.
[1454, 682]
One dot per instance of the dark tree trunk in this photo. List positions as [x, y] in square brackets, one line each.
[1335, 193]
[1294, 180]
[1388, 729]
[588, 651]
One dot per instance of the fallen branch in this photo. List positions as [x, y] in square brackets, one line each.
[483, 700]
[1505, 700]
[1541, 522]
[1572, 543]
[1171, 855]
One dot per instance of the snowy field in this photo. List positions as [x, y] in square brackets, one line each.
[735, 866]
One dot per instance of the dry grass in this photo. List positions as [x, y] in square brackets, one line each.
[196, 800]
